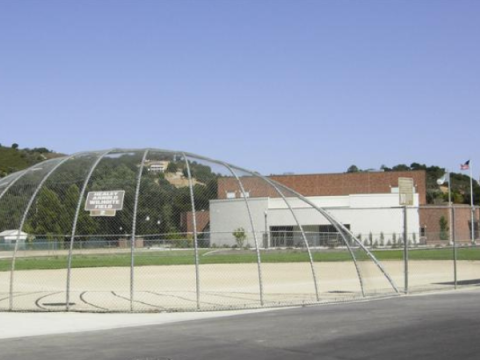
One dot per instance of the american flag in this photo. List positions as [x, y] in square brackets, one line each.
[465, 166]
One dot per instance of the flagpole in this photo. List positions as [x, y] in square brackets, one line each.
[471, 203]
[450, 206]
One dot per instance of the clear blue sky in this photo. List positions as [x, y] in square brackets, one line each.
[274, 86]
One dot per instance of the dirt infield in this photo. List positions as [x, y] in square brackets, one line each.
[222, 286]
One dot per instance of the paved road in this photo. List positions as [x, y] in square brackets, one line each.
[439, 327]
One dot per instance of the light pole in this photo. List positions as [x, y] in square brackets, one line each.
[450, 217]
[267, 233]
[158, 224]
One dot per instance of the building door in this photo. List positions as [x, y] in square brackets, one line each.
[282, 236]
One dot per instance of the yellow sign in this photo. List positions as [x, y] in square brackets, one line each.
[103, 212]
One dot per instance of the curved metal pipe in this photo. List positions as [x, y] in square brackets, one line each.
[301, 230]
[134, 229]
[195, 236]
[329, 217]
[74, 226]
[259, 259]
[22, 223]
[338, 225]
[344, 232]
[13, 183]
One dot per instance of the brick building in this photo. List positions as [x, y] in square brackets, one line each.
[326, 184]
[430, 219]
[367, 203]
[202, 219]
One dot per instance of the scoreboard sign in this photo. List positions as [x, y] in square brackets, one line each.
[104, 203]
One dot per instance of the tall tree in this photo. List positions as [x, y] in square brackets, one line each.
[49, 214]
[353, 169]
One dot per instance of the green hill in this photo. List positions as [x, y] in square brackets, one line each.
[14, 159]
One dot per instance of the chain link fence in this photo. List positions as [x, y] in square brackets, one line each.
[198, 234]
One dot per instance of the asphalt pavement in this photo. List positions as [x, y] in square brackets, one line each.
[440, 327]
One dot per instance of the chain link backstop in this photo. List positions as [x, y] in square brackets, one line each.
[199, 234]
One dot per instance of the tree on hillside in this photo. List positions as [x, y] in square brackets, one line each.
[353, 169]
[401, 167]
[417, 166]
[41, 150]
[171, 167]
[202, 173]
[49, 215]
[85, 223]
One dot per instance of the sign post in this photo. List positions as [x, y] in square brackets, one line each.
[405, 191]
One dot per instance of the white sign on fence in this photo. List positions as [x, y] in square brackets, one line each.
[104, 203]
[406, 191]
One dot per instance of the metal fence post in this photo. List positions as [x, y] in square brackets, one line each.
[454, 238]
[405, 247]
[474, 215]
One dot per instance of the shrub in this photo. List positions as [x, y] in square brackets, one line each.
[359, 237]
[443, 228]
[240, 236]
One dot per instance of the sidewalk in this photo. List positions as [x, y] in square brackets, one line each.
[15, 325]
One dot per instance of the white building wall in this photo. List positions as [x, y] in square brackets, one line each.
[365, 213]
[230, 214]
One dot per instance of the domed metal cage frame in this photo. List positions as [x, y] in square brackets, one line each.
[351, 243]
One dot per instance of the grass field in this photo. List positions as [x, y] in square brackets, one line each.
[208, 256]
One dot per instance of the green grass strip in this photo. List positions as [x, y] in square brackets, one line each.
[163, 258]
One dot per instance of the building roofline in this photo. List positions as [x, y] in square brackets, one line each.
[346, 173]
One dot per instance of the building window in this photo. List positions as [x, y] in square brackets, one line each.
[247, 194]
[231, 195]
[423, 231]
[328, 235]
